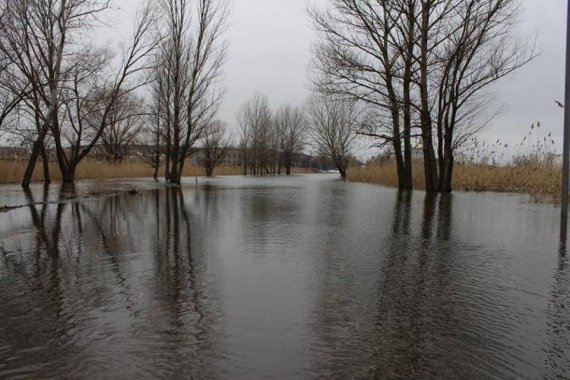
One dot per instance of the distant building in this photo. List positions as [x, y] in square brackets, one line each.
[232, 157]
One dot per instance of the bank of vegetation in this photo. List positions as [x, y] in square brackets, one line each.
[418, 70]
[67, 104]
[533, 167]
[401, 74]
[11, 171]
[539, 181]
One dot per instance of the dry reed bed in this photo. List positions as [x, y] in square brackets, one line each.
[534, 180]
[539, 180]
[12, 171]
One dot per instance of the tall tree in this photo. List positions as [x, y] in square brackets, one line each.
[418, 64]
[65, 83]
[90, 99]
[33, 38]
[189, 73]
[365, 54]
[480, 48]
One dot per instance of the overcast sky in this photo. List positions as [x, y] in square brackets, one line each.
[270, 53]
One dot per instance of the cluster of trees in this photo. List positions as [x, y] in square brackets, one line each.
[269, 140]
[392, 70]
[420, 69]
[61, 92]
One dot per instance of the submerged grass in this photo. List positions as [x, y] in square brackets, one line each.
[536, 180]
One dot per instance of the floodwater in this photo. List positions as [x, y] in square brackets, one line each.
[301, 277]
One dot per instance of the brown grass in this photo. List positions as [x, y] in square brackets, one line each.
[12, 171]
[530, 179]
[539, 180]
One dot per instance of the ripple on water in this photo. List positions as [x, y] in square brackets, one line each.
[285, 278]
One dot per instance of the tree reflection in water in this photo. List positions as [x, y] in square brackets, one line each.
[91, 300]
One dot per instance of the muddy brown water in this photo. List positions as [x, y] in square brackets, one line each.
[301, 277]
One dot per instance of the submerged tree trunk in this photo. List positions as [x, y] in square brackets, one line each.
[446, 167]
[342, 171]
[68, 176]
[177, 166]
[447, 175]
[32, 163]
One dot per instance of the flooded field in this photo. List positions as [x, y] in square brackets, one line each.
[302, 277]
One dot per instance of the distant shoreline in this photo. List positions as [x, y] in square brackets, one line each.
[542, 182]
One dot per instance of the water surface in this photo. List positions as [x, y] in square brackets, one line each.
[301, 277]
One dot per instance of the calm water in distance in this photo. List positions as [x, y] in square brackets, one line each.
[301, 277]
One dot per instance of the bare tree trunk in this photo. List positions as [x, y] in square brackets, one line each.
[408, 182]
[397, 145]
[167, 156]
[447, 174]
[45, 162]
[156, 155]
[68, 176]
[342, 172]
[430, 169]
[32, 164]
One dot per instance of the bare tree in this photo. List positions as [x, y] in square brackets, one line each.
[90, 99]
[331, 128]
[418, 63]
[365, 54]
[188, 75]
[479, 48]
[64, 82]
[215, 145]
[151, 136]
[33, 39]
[255, 123]
[126, 122]
[290, 129]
